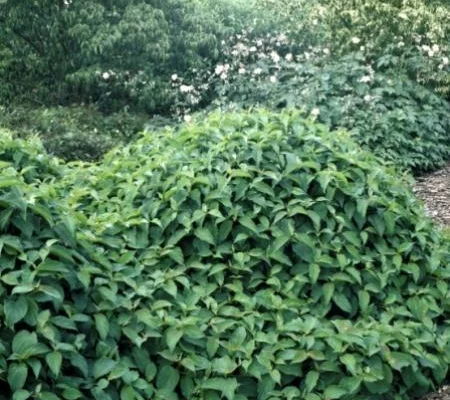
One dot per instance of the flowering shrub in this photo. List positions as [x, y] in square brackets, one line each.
[388, 113]
[109, 52]
[408, 35]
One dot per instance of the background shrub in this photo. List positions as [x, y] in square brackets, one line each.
[248, 256]
[389, 114]
[111, 53]
[73, 133]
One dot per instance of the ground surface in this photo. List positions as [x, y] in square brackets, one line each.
[434, 190]
[442, 394]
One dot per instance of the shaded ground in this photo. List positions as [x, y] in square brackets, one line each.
[442, 394]
[434, 189]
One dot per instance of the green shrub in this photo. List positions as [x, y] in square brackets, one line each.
[410, 35]
[388, 114]
[251, 256]
[27, 157]
[73, 133]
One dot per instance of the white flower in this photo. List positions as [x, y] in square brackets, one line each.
[367, 97]
[186, 88]
[257, 71]
[253, 49]
[362, 48]
[435, 48]
[315, 21]
[275, 57]
[445, 61]
[400, 44]
[355, 40]
[174, 77]
[223, 76]
[187, 118]
[241, 70]
[282, 37]
[315, 112]
[105, 75]
[219, 69]
[366, 79]
[402, 15]
[431, 53]
[326, 51]
[289, 57]
[273, 79]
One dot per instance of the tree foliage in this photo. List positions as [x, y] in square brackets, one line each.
[110, 52]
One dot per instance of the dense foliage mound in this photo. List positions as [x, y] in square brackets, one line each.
[252, 256]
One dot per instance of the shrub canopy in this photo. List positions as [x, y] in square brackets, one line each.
[250, 256]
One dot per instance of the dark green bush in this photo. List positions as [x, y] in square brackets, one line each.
[388, 114]
[73, 133]
[112, 53]
[251, 256]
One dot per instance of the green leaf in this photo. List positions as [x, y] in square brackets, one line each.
[311, 380]
[364, 300]
[54, 361]
[349, 361]
[167, 378]
[249, 224]
[102, 325]
[15, 310]
[23, 343]
[103, 367]
[399, 360]
[177, 255]
[128, 393]
[173, 336]
[314, 272]
[227, 386]
[212, 344]
[342, 302]
[72, 394]
[17, 375]
[49, 396]
[224, 365]
[205, 235]
[334, 392]
[21, 395]
[278, 243]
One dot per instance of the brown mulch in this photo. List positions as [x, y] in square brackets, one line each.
[434, 190]
[442, 394]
